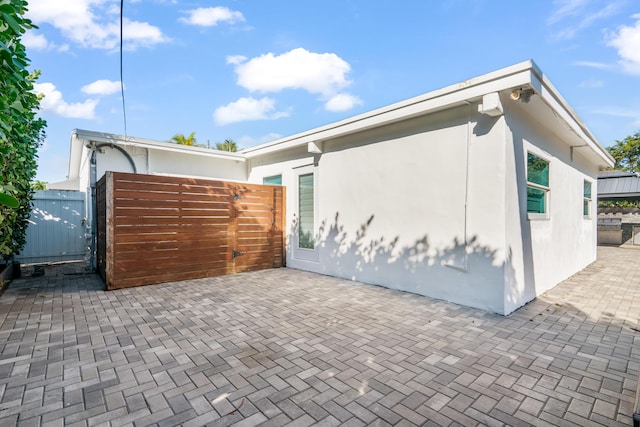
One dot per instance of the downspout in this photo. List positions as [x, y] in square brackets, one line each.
[466, 190]
[94, 218]
[93, 179]
[463, 266]
[121, 150]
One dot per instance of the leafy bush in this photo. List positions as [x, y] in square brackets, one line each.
[626, 153]
[619, 204]
[21, 132]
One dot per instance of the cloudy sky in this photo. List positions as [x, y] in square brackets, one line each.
[253, 71]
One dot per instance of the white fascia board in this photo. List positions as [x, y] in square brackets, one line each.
[447, 97]
[550, 95]
[156, 145]
[70, 184]
[75, 156]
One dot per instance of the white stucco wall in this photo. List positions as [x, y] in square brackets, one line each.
[548, 250]
[169, 163]
[152, 161]
[391, 206]
[437, 206]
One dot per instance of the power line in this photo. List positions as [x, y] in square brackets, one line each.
[124, 110]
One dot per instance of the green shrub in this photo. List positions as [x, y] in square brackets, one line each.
[619, 204]
[21, 131]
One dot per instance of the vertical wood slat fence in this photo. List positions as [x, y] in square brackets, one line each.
[155, 229]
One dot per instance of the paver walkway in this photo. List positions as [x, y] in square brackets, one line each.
[288, 347]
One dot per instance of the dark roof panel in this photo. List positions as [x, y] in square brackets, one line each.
[627, 185]
[615, 174]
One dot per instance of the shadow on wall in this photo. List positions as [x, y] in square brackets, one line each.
[56, 230]
[527, 286]
[469, 274]
[40, 217]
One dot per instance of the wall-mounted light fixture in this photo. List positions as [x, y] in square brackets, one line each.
[522, 95]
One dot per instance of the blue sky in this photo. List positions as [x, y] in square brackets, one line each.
[254, 71]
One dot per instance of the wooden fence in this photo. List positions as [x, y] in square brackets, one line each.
[155, 229]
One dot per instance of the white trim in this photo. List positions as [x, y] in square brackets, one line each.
[547, 189]
[301, 253]
[158, 145]
[590, 214]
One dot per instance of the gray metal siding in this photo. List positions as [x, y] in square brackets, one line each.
[627, 186]
[56, 229]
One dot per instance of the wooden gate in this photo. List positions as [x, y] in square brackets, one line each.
[155, 229]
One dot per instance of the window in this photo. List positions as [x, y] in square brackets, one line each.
[272, 180]
[537, 184]
[306, 211]
[586, 205]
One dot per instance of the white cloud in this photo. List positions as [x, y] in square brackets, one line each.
[592, 64]
[565, 8]
[627, 41]
[212, 16]
[236, 59]
[101, 87]
[54, 103]
[591, 84]
[139, 34]
[618, 112]
[342, 102]
[325, 74]
[622, 112]
[249, 141]
[35, 41]
[93, 23]
[245, 109]
[569, 17]
[321, 73]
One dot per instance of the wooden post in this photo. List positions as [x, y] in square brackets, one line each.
[109, 231]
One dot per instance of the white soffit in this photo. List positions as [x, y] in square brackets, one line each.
[561, 108]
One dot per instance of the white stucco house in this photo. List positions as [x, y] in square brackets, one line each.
[481, 193]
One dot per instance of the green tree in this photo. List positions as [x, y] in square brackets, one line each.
[179, 138]
[21, 131]
[38, 185]
[627, 153]
[227, 145]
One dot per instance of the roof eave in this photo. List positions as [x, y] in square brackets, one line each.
[109, 138]
[526, 73]
[447, 97]
[550, 95]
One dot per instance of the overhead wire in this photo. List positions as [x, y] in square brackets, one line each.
[124, 110]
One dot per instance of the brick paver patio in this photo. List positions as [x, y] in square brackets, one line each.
[285, 347]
